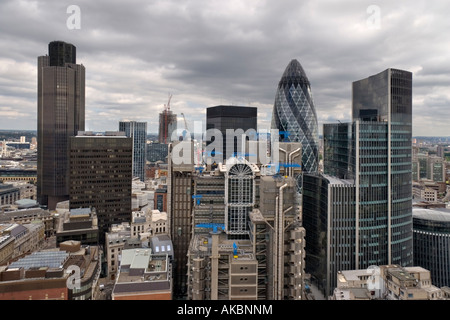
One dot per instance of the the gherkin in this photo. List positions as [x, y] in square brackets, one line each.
[294, 114]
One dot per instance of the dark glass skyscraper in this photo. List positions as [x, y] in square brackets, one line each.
[294, 114]
[384, 172]
[234, 119]
[61, 114]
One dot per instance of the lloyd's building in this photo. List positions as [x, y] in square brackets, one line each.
[359, 212]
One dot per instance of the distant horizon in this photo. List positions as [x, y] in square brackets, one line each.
[156, 133]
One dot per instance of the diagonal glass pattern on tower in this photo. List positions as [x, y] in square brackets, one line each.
[294, 114]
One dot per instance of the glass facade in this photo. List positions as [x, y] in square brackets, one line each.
[427, 166]
[137, 131]
[231, 118]
[61, 53]
[239, 199]
[314, 220]
[369, 217]
[386, 98]
[60, 115]
[372, 183]
[339, 150]
[157, 152]
[329, 218]
[294, 114]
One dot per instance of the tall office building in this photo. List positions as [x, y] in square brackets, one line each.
[61, 114]
[328, 214]
[179, 208]
[430, 167]
[383, 171]
[369, 160]
[232, 123]
[101, 177]
[138, 132]
[294, 114]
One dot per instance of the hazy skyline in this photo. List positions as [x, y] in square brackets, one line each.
[208, 53]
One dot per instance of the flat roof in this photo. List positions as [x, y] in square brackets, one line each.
[353, 275]
[401, 274]
[136, 258]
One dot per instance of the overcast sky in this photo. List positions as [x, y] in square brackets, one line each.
[208, 52]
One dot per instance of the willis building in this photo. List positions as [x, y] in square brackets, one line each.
[359, 212]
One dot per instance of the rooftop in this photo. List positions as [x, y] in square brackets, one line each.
[334, 180]
[141, 270]
[107, 134]
[80, 211]
[436, 214]
[51, 259]
[294, 70]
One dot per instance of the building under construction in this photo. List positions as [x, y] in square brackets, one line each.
[247, 238]
[167, 124]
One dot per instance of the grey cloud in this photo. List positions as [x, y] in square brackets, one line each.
[219, 52]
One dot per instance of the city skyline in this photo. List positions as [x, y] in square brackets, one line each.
[224, 53]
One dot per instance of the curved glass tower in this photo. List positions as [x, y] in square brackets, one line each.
[294, 114]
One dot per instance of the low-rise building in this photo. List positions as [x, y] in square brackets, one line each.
[143, 275]
[387, 282]
[145, 226]
[79, 225]
[114, 244]
[425, 193]
[85, 261]
[8, 194]
[27, 237]
[6, 248]
[159, 223]
[23, 216]
[70, 273]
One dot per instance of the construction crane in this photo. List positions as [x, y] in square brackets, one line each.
[185, 123]
[167, 106]
[186, 129]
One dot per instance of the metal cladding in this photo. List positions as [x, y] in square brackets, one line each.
[294, 114]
